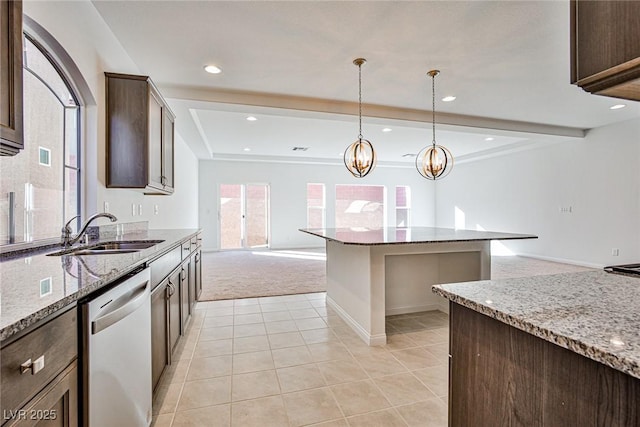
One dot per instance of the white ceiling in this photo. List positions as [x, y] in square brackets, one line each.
[289, 64]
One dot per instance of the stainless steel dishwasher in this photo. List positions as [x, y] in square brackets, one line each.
[116, 378]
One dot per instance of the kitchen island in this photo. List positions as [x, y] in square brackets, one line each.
[557, 350]
[372, 273]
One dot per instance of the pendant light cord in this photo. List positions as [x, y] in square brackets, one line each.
[433, 108]
[360, 99]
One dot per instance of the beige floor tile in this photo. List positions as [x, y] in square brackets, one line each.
[276, 316]
[217, 333]
[436, 378]
[250, 330]
[254, 385]
[380, 364]
[246, 309]
[201, 393]
[209, 367]
[252, 362]
[326, 351]
[399, 341]
[416, 358]
[213, 348]
[291, 356]
[245, 301]
[219, 416]
[441, 351]
[321, 309]
[247, 319]
[175, 373]
[281, 327]
[358, 348]
[271, 300]
[165, 399]
[359, 397]
[312, 323]
[298, 305]
[335, 423]
[316, 296]
[215, 322]
[250, 344]
[288, 339]
[402, 389]
[163, 420]
[315, 336]
[277, 307]
[405, 325]
[427, 337]
[306, 313]
[341, 371]
[311, 406]
[301, 377]
[220, 311]
[386, 418]
[430, 413]
[264, 412]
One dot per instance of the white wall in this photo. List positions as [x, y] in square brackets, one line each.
[598, 176]
[82, 32]
[288, 186]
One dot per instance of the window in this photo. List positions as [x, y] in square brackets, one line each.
[315, 206]
[403, 206]
[360, 206]
[36, 200]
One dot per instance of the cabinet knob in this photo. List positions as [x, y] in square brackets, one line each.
[33, 367]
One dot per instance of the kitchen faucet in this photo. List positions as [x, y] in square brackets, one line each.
[67, 240]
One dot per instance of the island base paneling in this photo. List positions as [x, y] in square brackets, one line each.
[500, 375]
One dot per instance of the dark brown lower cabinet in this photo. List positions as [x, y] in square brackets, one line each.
[192, 282]
[185, 305]
[55, 406]
[198, 273]
[174, 309]
[502, 376]
[159, 338]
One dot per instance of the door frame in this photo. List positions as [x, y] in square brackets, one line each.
[243, 227]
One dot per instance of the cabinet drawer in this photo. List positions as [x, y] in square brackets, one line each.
[164, 265]
[56, 341]
[186, 249]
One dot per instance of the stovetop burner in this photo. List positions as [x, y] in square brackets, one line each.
[630, 269]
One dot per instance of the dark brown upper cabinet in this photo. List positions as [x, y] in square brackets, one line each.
[140, 135]
[605, 47]
[11, 131]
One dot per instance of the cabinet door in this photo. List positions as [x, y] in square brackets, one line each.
[198, 274]
[167, 149]
[11, 131]
[56, 405]
[184, 297]
[174, 309]
[155, 139]
[193, 264]
[159, 332]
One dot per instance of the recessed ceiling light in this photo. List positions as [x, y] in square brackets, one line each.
[212, 69]
[617, 106]
[247, 149]
[251, 119]
[489, 138]
[449, 98]
[387, 130]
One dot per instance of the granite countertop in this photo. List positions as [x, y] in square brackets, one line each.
[33, 287]
[594, 313]
[392, 235]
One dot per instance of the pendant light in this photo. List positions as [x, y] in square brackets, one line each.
[436, 161]
[359, 157]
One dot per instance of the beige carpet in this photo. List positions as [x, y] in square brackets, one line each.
[247, 274]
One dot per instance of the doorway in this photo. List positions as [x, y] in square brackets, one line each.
[244, 216]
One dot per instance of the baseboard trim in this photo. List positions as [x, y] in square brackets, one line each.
[562, 260]
[414, 309]
[371, 340]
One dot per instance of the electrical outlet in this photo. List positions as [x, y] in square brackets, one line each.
[106, 207]
[565, 209]
[155, 209]
[615, 252]
[133, 209]
[140, 209]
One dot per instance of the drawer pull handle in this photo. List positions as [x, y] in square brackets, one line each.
[33, 367]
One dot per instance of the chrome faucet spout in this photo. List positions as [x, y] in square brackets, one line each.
[68, 240]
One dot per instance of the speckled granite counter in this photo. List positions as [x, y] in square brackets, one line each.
[35, 287]
[394, 236]
[594, 314]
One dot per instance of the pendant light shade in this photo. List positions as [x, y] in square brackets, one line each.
[360, 157]
[435, 161]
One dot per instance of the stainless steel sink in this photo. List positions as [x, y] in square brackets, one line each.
[110, 248]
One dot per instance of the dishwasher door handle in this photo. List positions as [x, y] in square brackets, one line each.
[135, 299]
